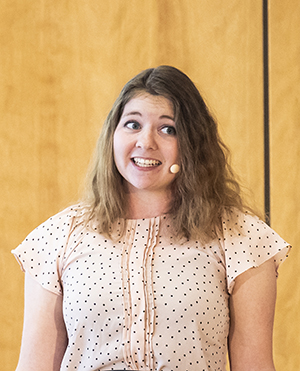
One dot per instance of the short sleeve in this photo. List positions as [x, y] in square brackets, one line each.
[248, 243]
[41, 253]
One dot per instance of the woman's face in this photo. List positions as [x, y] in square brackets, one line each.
[145, 144]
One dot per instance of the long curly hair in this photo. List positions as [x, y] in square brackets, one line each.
[204, 188]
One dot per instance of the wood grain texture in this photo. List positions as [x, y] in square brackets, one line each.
[219, 45]
[63, 63]
[284, 28]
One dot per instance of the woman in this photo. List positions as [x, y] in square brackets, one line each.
[161, 264]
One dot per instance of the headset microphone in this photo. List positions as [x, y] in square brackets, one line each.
[174, 169]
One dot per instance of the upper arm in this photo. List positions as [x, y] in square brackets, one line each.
[252, 306]
[44, 337]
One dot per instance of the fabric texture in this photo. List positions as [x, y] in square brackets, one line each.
[145, 302]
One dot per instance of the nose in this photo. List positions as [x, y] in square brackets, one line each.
[146, 139]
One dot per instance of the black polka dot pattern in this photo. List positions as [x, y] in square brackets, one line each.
[145, 302]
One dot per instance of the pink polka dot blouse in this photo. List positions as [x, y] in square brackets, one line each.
[144, 301]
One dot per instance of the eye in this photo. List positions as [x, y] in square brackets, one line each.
[134, 125]
[170, 130]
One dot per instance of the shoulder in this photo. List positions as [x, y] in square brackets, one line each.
[54, 231]
[41, 253]
[73, 211]
[249, 242]
[235, 219]
[68, 217]
[246, 227]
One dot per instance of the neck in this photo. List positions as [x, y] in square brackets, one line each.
[147, 205]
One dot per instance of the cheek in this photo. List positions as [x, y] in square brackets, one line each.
[176, 153]
[116, 150]
[120, 150]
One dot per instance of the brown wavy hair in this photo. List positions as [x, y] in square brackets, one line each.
[204, 188]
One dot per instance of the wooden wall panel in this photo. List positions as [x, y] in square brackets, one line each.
[219, 45]
[62, 65]
[284, 29]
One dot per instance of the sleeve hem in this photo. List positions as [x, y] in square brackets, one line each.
[18, 260]
[278, 258]
[58, 293]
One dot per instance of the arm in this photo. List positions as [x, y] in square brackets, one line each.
[252, 306]
[44, 337]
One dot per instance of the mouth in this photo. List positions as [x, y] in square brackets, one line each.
[142, 162]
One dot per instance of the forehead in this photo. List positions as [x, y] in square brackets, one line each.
[145, 102]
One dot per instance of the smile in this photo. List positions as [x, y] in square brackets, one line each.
[145, 162]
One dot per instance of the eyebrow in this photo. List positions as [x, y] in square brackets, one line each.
[139, 114]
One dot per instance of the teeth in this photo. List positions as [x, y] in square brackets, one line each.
[145, 163]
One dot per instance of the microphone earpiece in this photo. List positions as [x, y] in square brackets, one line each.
[174, 169]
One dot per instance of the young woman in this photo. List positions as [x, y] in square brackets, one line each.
[161, 265]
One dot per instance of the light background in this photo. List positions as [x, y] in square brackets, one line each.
[63, 63]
